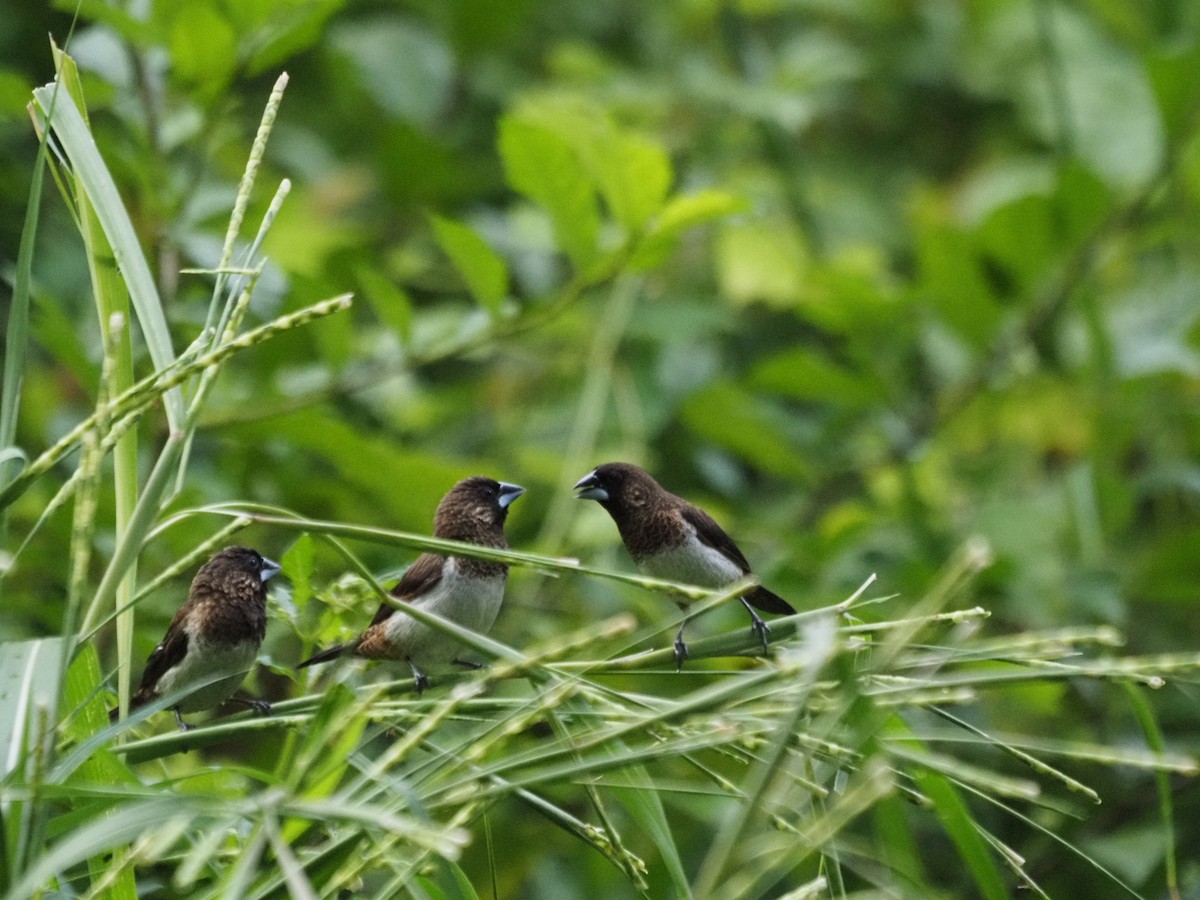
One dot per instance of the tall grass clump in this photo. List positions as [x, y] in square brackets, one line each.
[828, 768]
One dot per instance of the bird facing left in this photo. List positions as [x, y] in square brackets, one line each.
[214, 638]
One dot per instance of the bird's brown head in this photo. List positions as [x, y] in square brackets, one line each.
[619, 487]
[474, 507]
[238, 572]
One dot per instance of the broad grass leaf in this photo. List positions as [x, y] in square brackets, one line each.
[93, 177]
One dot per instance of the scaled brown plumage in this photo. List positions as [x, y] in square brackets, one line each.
[214, 637]
[463, 589]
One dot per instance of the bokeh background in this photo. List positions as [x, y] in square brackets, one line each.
[942, 284]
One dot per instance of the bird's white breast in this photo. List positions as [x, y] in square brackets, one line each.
[692, 562]
[470, 602]
[203, 661]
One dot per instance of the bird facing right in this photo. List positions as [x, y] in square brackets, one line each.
[466, 590]
[218, 629]
[670, 538]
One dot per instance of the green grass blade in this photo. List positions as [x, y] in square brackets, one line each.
[97, 183]
[17, 335]
[102, 768]
[766, 776]
[956, 819]
[245, 188]
[132, 539]
[147, 391]
[1162, 782]
[645, 807]
[112, 296]
[29, 691]
[284, 519]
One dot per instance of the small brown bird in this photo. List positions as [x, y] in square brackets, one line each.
[464, 590]
[218, 630]
[670, 538]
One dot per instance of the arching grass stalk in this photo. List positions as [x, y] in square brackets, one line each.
[149, 505]
[245, 189]
[147, 391]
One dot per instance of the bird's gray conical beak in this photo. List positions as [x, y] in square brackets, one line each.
[509, 493]
[269, 570]
[589, 488]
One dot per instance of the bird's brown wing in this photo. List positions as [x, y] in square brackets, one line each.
[164, 657]
[714, 535]
[422, 576]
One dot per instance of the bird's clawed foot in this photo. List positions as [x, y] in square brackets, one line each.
[681, 649]
[260, 707]
[762, 631]
[183, 726]
[420, 682]
[758, 627]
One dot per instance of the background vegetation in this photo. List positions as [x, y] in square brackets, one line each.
[896, 288]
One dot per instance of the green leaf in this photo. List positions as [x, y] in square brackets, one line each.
[102, 768]
[112, 289]
[545, 168]
[407, 68]
[449, 882]
[1153, 326]
[16, 337]
[357, 458]
[323, 757]
[679, 214]
[388, 299]
[802, 374]
[727, 416]
[96, 837]
[297, 562]
[634, 176]
[1175, 77]
[1084, 202]
[481, 267]
[128, 25]
[685, 211]
[1162, 779]
[953, 282]
[1022, 238]
[203, 47]
[894, 838]
[1095, 103]
[29, 674]
[761, 261]
[283, 28]
[298, 247]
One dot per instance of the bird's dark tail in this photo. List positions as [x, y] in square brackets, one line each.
[327, 655]
[763, 599]
[138, 699]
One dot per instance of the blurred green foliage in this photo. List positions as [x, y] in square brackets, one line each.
[895, 274]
